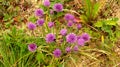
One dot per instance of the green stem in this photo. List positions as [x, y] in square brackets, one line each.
[20, 59]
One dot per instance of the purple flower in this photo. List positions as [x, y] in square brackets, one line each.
[76, 48]
[68, 49]
[50, 37]
[50, 24]
[85, 36]
[31, 26]
[46, 3]
[39, 12]
[69, 17]
[70, 23]
[58, 7]
[79, 26]
[63, 32]
[40, 22]
[57, 53]
[51, 12]
[75, 20]
[78, 37]
[81, 42]
[71, 38]
[32, 47]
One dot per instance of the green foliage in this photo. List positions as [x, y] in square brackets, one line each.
[32, 19]
[14, 42]
[13, 49]
[102, 23]
[110, 29]
[40, 57]
[90, 11]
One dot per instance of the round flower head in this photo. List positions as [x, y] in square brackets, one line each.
[51, 12]
[58, 7]
[50, 37]
[57, 53]
[85, 36]
[71, 38]
[39, 12]
[78, 37]
[32, 47]
[70, 23]
[50, 24]
[46, 3]
[76, 48]
[81, 42]
[68, 49]
[79, 26]
[69, 17]
[31, 26]
[40, 22]
[75, 20]
[63, 32]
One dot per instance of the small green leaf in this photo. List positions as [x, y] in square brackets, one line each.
[96, 9]
[98, 24]
[88, 7]
[32, 19]
[17, 8]
[6, 17]
[39, 57]
[117, 33]
[14, 30]
[115, 19]
[111, 23]
[60, 65]
[84, 18]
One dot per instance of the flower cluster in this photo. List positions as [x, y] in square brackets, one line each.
[63, 32]
[40, 22]
[31, 26]
[32, 47]
[46, 3]
[50, 24]
[69, 37]
[57, 52]
[58, 7]
[50, 37]
[69, 17]
[39, 12]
